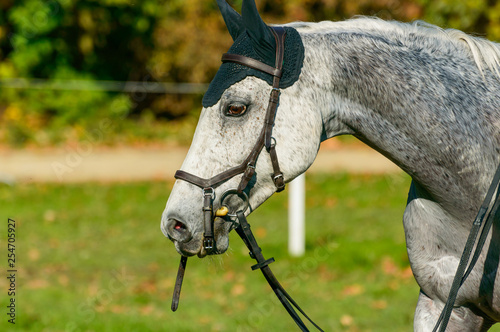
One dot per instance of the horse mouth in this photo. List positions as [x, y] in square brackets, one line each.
[222, 229]
[188, 249]
[191, 249]
[204, 253]
[200, 251]
[195, 244]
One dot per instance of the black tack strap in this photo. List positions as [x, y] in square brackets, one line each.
[251, 63]
[178, 283]
[464, 267]
[286, 300]
[278, 179]
[208, 220]
[263, 264]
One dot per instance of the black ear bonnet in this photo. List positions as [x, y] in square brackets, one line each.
[245, 44]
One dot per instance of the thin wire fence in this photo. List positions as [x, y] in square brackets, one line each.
[111, 86]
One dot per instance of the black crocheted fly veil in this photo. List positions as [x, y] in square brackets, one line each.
[230, 72]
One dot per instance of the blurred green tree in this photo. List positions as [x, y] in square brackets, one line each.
[480, 17]
[155, 40]
[72, 40]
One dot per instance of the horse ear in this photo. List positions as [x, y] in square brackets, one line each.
[262, 39]
[234, 22]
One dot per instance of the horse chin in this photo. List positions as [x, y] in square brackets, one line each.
[190, 248]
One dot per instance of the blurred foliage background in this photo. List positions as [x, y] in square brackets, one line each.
[153, 41]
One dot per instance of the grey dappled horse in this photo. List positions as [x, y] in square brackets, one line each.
[426, 98]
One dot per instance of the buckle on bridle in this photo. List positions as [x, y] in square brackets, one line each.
[209, 192]
[279, 182]
[273, 142]
[250, 168]
[208, 244]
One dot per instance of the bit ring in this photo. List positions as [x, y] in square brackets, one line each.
[243, 196]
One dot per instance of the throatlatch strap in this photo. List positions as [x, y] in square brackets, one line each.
[460, 276]
[286, 300]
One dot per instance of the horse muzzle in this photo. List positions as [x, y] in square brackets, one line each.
[186, 243]
[189, 240]
[189, 243]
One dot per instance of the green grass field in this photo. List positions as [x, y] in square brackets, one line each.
[91, 257]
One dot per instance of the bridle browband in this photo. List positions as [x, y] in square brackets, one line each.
[247, 167]
[265, 139]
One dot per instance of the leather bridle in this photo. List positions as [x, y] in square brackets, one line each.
[247, 167]
[265, 139]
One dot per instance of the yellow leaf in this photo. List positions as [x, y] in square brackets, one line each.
[346, 320]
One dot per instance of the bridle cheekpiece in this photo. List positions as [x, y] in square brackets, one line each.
[265, 139]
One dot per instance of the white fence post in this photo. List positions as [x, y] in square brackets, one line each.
[296, 216]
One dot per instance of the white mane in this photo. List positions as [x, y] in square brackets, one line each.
[484, 52]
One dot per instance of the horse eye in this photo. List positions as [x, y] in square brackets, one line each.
[236, 110]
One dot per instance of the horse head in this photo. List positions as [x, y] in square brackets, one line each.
[236, 127]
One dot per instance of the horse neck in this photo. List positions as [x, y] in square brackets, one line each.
[429, 112]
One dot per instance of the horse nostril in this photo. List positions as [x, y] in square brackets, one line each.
[178, 225]
[178, 230]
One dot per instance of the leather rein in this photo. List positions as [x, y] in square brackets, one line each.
[466, 264]
[247, 168]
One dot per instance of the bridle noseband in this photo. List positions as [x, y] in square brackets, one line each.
[265, 139]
